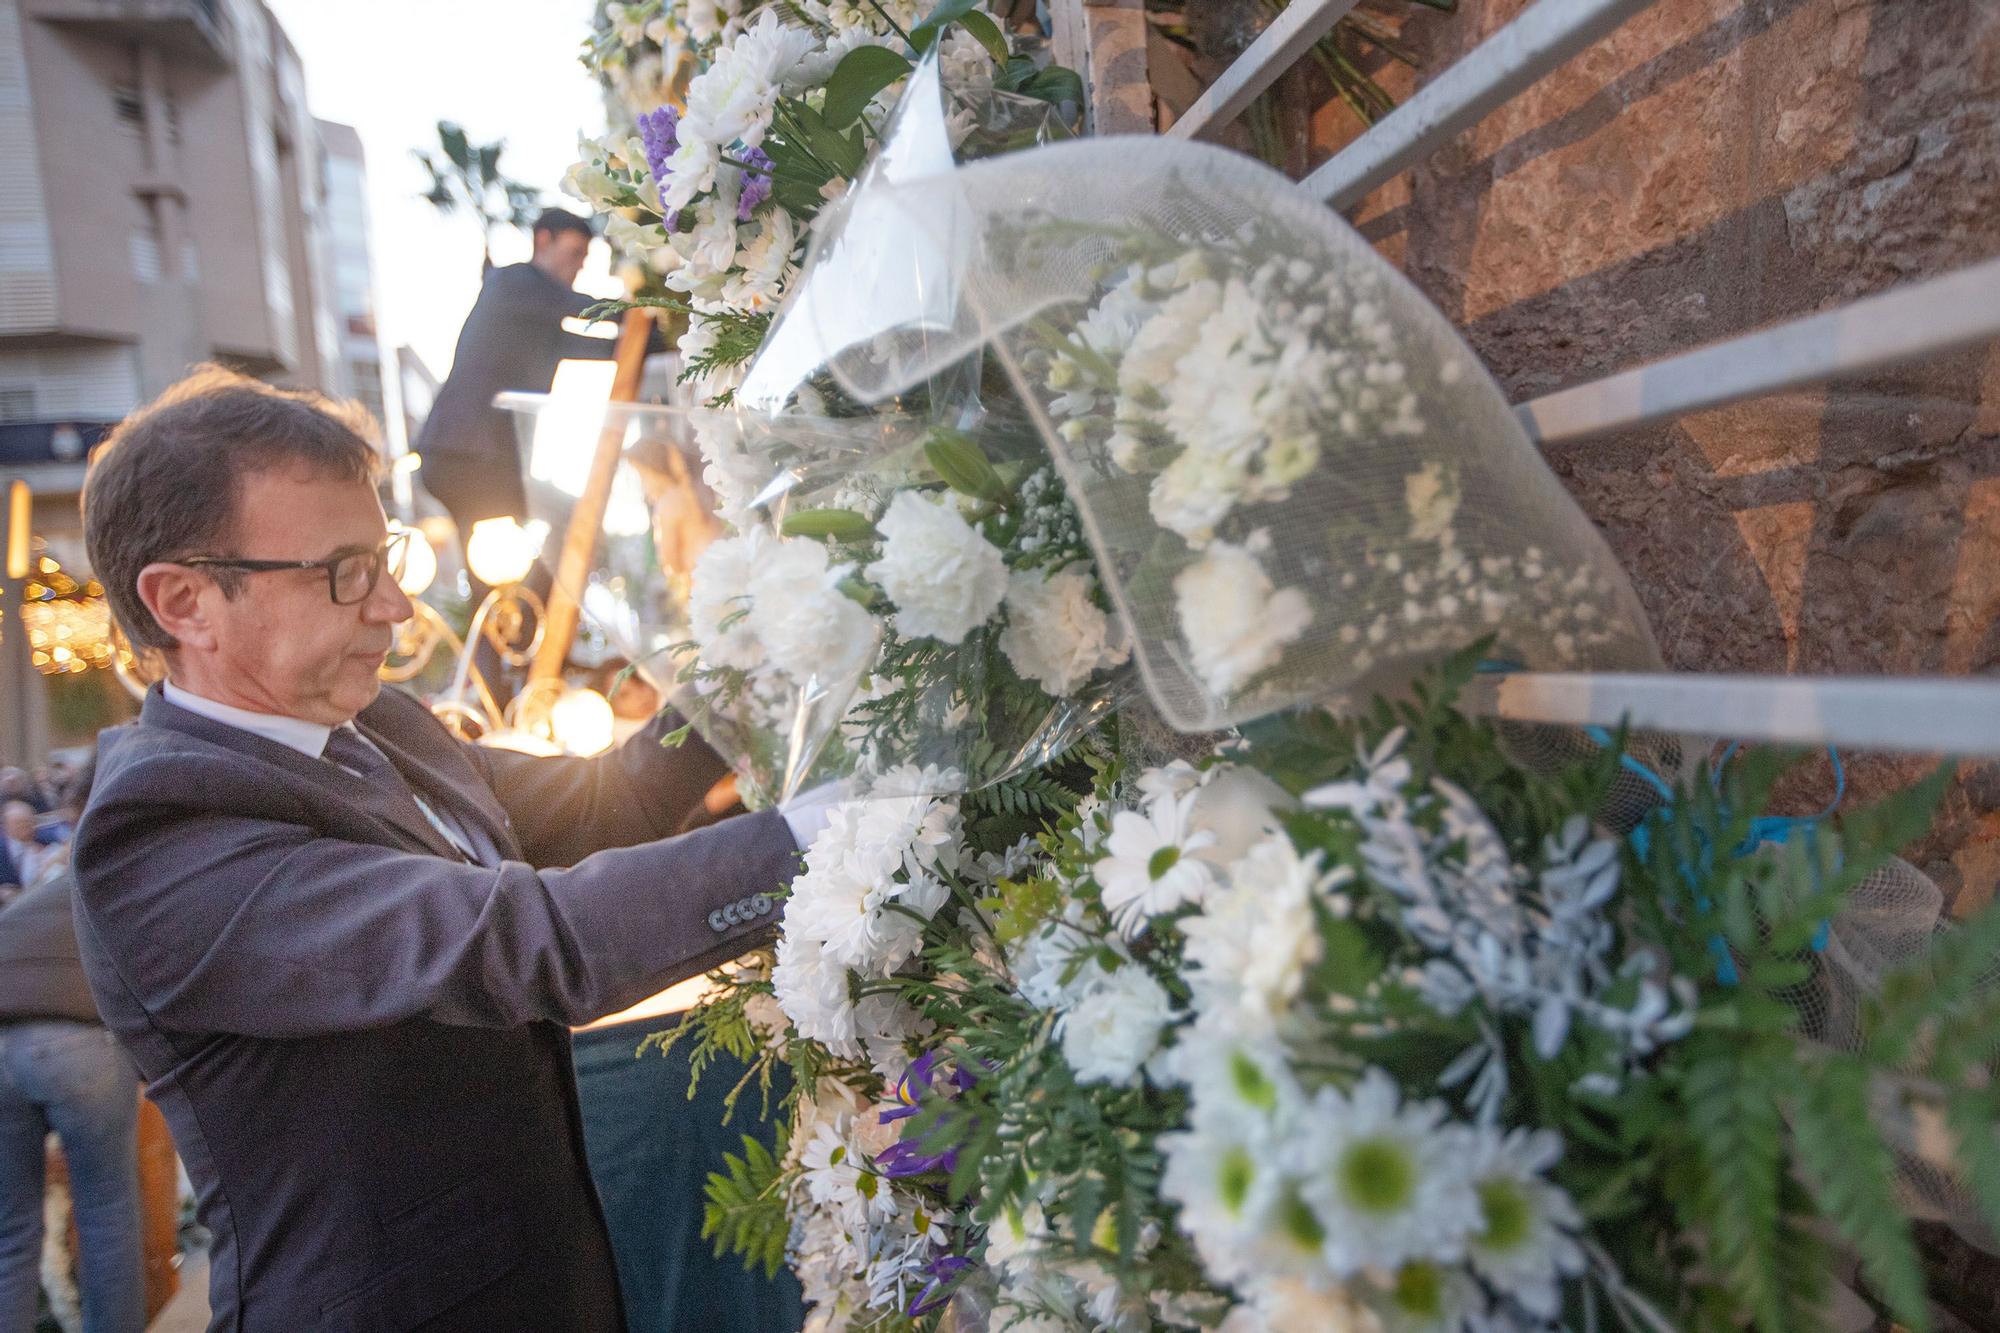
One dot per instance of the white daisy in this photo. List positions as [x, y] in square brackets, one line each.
[1147, 868]
[1525, 1244]
[1385, 1180]
[1426, 1296]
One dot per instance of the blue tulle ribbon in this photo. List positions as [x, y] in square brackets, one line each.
[1765, 830]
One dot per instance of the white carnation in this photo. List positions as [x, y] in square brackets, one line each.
[808, 625]
[721, 589]
[1056, 633]
[943, 576]
[733, 472]
[1116, 1026]
[1234, 623]
[1248, 950]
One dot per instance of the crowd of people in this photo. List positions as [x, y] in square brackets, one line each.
[38, 815]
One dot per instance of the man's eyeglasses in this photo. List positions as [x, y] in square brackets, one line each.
[350, 575]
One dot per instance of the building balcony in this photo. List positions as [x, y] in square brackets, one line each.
[189, 29]
[49, 455]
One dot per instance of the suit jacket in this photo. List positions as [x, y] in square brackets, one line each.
[359, 1038]
[41, 974]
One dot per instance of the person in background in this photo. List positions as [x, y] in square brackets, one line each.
[512, 340]
[61, 1071]
[27, 857]
[16, 785]
[58, 826]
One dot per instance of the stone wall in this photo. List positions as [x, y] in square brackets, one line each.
[1711, 167]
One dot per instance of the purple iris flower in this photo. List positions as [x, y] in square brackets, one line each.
[943, 1271]
[756, 182]
[660, 132]
[906, 1158]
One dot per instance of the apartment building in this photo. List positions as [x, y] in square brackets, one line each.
[163, 200]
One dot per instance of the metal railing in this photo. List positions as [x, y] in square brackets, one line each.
[1920, 319]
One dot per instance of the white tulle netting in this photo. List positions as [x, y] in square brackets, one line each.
[1297, 480]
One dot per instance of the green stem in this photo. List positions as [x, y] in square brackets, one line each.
[877, 6]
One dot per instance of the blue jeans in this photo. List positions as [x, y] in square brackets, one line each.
[75, 1079]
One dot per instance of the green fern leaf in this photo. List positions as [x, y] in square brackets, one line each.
[1853, 1173]
[745, 1209]
[1732, 1113]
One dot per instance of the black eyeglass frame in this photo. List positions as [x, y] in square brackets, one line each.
[379, 560]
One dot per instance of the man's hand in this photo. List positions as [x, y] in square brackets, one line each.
[807, 813]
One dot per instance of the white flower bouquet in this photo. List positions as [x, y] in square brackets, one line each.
[893, 588]
[1347, 1020]
[746, 116]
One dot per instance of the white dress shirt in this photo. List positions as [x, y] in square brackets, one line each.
[309, 739]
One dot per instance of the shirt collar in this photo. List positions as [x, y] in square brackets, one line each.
[308, 738]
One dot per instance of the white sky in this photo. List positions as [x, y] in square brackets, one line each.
[504, 69]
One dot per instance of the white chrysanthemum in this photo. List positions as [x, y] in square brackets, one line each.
[815, 68]
[1234, 624]
[731, 100]
[1147, 868]
[812, 990]
[848, 897]
[1221, 1173]
[1197, 490]
[911, 834]
[1385, 1180]
[1525, 1243]
[688, 171]
[721, 590]
[944, 577]
[842, 911]
[763, 269]
[710, 248]
[1234, 1170]
[832, 1167]
[708, 20]
[1249, 947]
[1056, 633]
[807, 624]
[1174, 330]
[1116, 1026]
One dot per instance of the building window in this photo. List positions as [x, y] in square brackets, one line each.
[17, 403]
[129, 107]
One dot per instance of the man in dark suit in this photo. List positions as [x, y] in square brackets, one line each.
[345, 948]
[512, 340]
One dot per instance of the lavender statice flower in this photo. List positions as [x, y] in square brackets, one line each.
[756, 182]
[660, 132]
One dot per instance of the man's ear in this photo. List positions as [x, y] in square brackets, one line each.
[173, 593]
